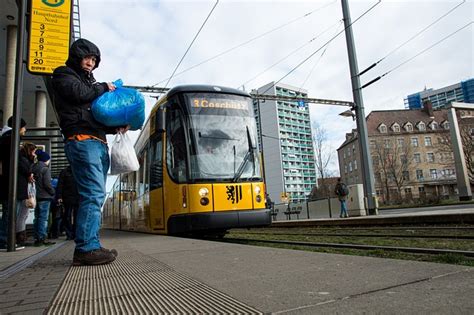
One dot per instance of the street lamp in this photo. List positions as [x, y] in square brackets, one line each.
[348, 113]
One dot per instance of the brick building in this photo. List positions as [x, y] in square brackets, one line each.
[411, 153]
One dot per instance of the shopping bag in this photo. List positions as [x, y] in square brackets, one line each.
[122, 155]
[31, 201]
[121, 107]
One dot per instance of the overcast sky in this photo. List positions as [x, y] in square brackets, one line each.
[142, 41]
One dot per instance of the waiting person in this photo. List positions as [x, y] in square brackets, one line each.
[25, 177]
[342, 192]
[44, 196]
[68, 196]
[5, 146]
[86, 145]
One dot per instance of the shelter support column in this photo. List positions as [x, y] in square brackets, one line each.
[10, 62]
[40, 106]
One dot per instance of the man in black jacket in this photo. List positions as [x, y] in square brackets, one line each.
[67, 195]
[86, 148]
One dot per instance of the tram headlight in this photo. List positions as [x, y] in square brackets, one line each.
[258, 198]
[257, 189]
[204, 192]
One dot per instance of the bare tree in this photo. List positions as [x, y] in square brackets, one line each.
[466, 128]
[323, 154]
[393, 163]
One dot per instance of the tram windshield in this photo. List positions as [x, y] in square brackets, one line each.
[223, 138]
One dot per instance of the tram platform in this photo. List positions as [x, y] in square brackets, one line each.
[161, 274]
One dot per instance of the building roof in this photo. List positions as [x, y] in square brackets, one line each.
[401, 117]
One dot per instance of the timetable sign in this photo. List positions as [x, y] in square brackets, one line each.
[50, 32]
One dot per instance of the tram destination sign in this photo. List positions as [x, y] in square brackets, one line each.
[49, 36]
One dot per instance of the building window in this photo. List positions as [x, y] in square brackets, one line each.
[403, 159]
[408, 127]
[433, 173]
[401, 142]
[417, 157]
[434, 125]
[406, 175]
[429, 157]
[421, 126]
[445, 125]
[355, 165]
[373, 144]
[383, 128]
[414, 142]
[421, 189]
[428, 142]
[386, 143]
[396, 127]
[350, 166]
[419, 174]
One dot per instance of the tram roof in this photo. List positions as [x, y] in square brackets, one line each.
[204, 88]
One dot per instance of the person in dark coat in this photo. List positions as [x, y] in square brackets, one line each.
[86, 145]
[5, 145]
[67, 195]
[44, 196]
[25, 177]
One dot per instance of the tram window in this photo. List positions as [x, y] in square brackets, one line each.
[175, 146]
[156, 169]
[141, 174]
[146, 170]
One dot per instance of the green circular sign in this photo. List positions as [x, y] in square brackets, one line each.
[53, 3]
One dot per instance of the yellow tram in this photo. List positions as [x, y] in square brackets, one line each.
[200, 167]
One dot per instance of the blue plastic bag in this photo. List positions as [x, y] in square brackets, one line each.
[121, 107]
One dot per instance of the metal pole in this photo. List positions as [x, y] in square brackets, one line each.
[464, 186]
[367, 171]
[18, 95]
[261, 142]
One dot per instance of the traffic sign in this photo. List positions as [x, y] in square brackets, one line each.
[49, 36]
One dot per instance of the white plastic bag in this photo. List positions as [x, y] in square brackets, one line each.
[31, 201]
[122, 155]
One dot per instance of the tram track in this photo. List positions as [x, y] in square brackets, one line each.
[414, 250]
[451, 237]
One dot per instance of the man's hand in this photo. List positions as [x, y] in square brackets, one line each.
[111, 86]
[123, 129]
[31, 178]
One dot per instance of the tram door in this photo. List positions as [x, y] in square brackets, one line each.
[156, 183]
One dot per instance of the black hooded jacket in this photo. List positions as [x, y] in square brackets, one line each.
[74, 91]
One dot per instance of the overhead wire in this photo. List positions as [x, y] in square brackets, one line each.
[248, 41]
[290, 54]
[189, 47]
[411, 38]
[324, 45]
[410, 59]
[314, 66]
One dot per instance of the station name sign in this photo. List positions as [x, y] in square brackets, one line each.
[49, 36]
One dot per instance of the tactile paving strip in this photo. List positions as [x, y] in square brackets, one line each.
[138, 284]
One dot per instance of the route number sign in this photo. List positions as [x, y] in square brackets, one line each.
[49, 36]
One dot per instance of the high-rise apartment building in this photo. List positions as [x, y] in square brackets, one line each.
[460, 92]
[286, 141]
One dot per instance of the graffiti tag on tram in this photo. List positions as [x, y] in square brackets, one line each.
[234, 193]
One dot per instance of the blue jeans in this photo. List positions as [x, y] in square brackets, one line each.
[89, 160]
[343, 208]
[41, 219]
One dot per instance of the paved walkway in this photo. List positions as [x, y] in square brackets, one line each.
[161, 274]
